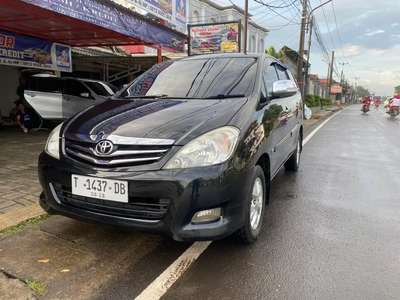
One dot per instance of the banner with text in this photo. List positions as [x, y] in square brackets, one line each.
[172, 11]
[109, 17]
[27, 52]
[214, 38]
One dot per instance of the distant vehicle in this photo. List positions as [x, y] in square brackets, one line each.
[59, 98]
[385, 104]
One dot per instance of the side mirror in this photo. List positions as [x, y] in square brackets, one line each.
[85, 95]
[284, 88]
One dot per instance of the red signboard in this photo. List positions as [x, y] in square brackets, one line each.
[336, 90]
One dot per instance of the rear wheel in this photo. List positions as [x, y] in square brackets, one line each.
[293, 162]
[255, 208]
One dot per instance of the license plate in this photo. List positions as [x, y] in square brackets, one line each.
[100, 188]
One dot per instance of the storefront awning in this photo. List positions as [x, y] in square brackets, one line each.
[85, 23]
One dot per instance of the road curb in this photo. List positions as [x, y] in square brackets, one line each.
[19, 215]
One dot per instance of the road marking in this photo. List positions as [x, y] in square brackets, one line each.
[305, 141]
[163, 282]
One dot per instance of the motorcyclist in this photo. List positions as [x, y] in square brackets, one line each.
[395, 101]
[377, 102]
[366, 102]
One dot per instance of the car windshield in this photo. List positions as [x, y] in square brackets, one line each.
[196, 78]
[101, 88]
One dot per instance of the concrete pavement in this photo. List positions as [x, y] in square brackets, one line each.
[331, 232]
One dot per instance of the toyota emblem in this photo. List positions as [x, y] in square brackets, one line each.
[104, 147]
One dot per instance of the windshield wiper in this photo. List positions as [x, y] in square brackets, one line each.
[147, 96]
[223, 96]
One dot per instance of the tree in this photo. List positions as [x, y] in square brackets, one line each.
[271, 51]
[397, 89]
[362, 91]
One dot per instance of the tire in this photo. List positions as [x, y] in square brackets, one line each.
[293, 162]
[254, 208]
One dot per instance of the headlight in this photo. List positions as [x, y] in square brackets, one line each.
[53, 142]
[209, 149]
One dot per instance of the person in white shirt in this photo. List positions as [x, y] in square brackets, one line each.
[395, 101]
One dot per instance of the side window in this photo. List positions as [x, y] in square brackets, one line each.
[264, 92]
[75, 88]
[45, 85]
[270, 76]
[281, 72]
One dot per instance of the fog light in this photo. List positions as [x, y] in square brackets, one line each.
[206, 216]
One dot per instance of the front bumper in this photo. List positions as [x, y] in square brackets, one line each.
[185, 192]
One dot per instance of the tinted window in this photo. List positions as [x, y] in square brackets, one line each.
[46, 84]
[101, 88]
[197, 78]
[269, 78]
[281, 72]
[75, 88]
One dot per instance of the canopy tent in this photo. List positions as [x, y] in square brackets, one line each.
[85, 23]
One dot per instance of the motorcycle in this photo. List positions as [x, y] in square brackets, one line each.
[365, 108]
[393, 111]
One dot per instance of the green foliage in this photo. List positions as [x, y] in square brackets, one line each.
[38, 288]
[271, 51]
[397, 89]
[28, 223]
[316, 101]
[362, 91]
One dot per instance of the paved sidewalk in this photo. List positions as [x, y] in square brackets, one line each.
[19, 185]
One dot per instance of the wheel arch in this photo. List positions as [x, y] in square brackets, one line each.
[265, 164]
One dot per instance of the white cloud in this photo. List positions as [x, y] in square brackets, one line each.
[395, 24]
[352, 50]
[373, 32]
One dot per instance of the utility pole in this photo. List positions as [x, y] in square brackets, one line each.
[246, 16]
[310, 23]
[355, 88]
[330, 75]
[301, 46]
[341, 75]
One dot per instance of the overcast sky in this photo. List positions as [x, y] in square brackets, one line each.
[369, 31]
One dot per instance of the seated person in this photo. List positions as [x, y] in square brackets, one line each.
[24, 117]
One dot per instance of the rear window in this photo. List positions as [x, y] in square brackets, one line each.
[197, 78]
[101, 88]
[46, 84]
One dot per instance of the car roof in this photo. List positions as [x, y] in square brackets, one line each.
[222, 55]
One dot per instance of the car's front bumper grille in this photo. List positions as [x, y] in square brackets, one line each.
[122, 155]
[136, 208]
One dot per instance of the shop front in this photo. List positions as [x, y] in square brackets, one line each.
[38, 36]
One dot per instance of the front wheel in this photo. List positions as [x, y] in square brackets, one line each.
[293, 162]
[254, 208]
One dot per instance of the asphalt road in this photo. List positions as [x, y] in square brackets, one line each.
[332, 231]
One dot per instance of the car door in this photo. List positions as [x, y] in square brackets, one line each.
[44, 95]
[289, 119]
[277, 112]
[76, 97]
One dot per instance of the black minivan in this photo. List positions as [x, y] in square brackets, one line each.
[188, 149]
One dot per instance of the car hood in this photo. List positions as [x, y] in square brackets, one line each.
[178, 120]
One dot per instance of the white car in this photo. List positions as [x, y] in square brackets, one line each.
[59, 98]
[385, 104]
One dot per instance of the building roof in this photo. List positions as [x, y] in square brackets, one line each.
[99, 51]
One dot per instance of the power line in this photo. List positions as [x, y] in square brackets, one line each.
[260, 1]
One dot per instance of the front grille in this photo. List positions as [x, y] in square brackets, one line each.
[136, 208]
[121, 155]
